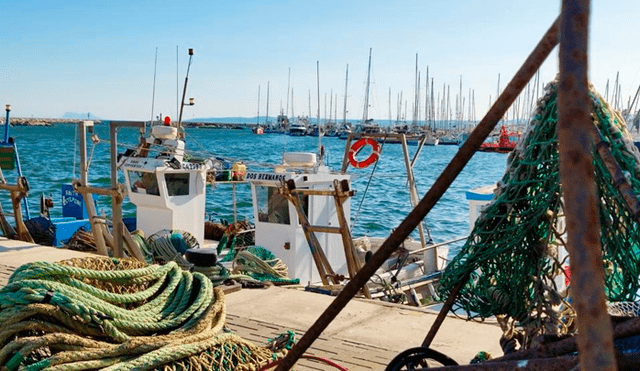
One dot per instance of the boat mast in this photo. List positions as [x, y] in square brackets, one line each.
[426, 100]
[319, 126]
[461, 108]
[288, 86]
[346, 80]
[330, 106]
[366, 94]
[258, 118]
[177, 83]
[415, 96]
[390, 106]
[335, 113]
[266, 119]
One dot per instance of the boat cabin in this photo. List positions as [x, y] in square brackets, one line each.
[276, 220]
[168, 192]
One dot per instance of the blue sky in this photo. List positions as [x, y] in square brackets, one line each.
[98, 56]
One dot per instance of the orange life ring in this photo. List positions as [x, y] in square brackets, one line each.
[357, 146]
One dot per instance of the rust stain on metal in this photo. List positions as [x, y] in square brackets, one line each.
[595, 333]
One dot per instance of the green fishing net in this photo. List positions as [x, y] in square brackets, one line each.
[513, 261]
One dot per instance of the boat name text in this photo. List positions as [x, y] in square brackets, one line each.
[265, 176]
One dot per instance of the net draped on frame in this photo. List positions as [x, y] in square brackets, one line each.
[512, 257]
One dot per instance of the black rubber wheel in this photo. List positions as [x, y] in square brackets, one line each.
[204, 257]
[419, 358]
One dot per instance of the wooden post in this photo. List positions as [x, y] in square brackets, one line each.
[414, 201]
[97, 229]
[17, 194]
[353, 265]
[319, 258]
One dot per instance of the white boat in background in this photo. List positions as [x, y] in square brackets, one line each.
[450, 139]
[297, 130]
[431, 140]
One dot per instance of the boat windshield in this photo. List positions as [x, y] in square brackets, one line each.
[177, 184]
[144, 182]
[272, 206]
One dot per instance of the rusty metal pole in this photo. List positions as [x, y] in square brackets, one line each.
[448, 175]
[595, 334]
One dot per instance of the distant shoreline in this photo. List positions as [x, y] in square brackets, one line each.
[32, 121]
[22, 121]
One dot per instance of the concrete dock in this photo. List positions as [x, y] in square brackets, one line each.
[366, 335]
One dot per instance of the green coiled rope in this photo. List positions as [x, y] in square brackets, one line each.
[61, 317]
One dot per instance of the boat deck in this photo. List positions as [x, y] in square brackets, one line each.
[365, 336]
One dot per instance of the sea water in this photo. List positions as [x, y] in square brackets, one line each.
[49, 158]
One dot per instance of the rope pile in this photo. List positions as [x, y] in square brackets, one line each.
[66, 316]
[252, 266]
[166, 245]
[513, 254]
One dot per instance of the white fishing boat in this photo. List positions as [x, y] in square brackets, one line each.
[302, 214]
[169, 192]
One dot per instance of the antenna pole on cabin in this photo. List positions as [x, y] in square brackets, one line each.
[448, 175]
[6, 123]
[153, 95]
[184, 90]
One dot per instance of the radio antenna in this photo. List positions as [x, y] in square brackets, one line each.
[184, 91]
[153, 97]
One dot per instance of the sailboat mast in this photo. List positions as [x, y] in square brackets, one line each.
[389, 106]
[335, 113]
[258, 118]
[426, 99]
[366, 94]
[415, 96]
[346, 80]
[267, 118]
[319, 126]
[288, 86]
[330, 106]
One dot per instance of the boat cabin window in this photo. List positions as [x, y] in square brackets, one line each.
[274, 207]
[144, 182]
[177, 184]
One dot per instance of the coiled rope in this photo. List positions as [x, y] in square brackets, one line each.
[64, 316]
